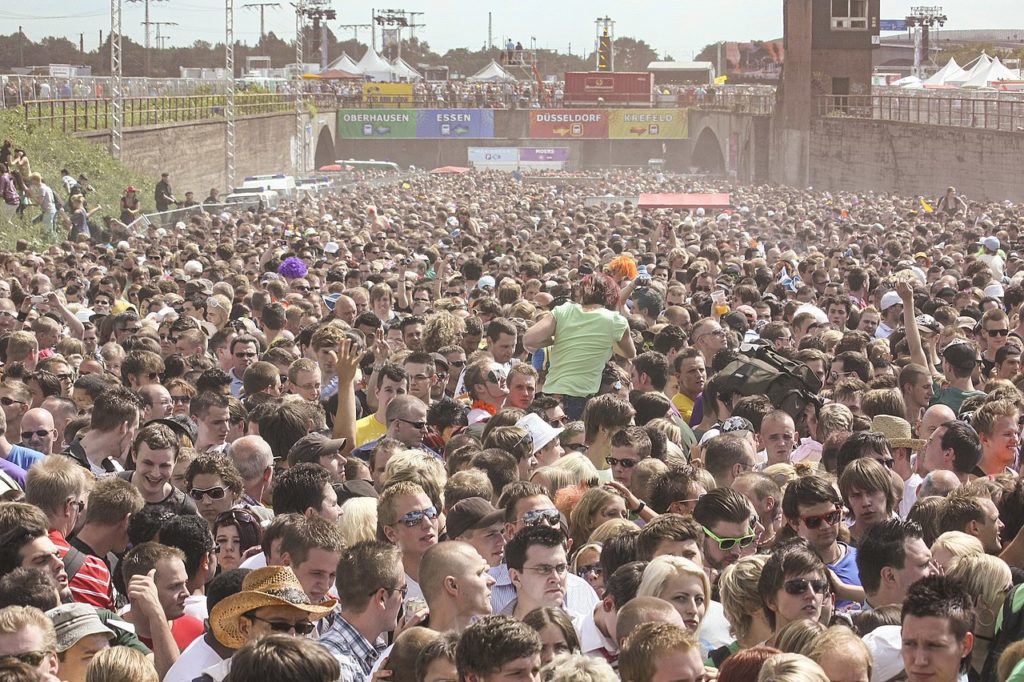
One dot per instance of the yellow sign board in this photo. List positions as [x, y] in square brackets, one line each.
[387, 94]
[643, 124]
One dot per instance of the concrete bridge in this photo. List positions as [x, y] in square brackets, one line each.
[913, 144]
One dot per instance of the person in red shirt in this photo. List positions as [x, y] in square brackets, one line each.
[57, 486]
[157, 589]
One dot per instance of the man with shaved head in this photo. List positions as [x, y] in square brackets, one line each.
[456, 585]
[38, 431]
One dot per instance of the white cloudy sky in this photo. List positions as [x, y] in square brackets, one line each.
[679, 28]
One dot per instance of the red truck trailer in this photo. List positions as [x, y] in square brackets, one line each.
[622, 88]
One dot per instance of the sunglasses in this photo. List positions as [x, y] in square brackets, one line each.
[181, 399]
[497, 378]
[217, 492]
[799, 586]
[29, 658]
[726, 544]
[40, 433]
[549, 517]
[992, 333]
[236, 516]
[624, 463]
[577, 447]
[559, 423]
[831, 519]
[415, 518]
[420, 425]
[457, 363]
[303, 627]
[584, 571]
[7, 402]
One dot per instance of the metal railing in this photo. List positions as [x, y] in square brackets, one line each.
[80, 115]
[961, 112]
[739, 103]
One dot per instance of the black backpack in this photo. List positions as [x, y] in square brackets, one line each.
[759, 370]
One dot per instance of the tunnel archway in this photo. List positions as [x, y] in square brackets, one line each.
[707, 153]
[325, 153]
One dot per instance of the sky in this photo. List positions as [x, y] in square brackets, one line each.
[679, 28]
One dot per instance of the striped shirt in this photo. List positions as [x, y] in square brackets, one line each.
[92, 584]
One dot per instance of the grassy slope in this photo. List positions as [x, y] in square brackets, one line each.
[49, 150]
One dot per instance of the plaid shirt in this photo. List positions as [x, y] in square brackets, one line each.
[353, 651]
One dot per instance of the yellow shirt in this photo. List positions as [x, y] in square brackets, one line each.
[684, 405]
[368, 429]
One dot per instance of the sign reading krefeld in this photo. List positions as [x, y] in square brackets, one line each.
[644, 124]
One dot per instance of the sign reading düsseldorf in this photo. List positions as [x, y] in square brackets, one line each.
[568, 124]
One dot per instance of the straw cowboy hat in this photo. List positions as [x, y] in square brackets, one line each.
[897, 431]
[270, 586]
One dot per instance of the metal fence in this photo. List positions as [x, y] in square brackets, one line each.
[16, 90]
[962, 112]
[739, 102]
[79, 115]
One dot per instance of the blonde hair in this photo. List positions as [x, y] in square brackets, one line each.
[581, 469]
[798, 636]
[782, 473]
[791, 668]
[53, 481]
[581, 521]
[14, 619]
[553, 478]
[610, 529]
[121, 664]
[737, 587]
[358, 521]
[667, 427]
[984, 577]
[421, 468]
[840, 639]
[572, 667]
[663, 568]
[959, 544]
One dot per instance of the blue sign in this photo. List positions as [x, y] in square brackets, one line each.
[892, 25]
[454, 123]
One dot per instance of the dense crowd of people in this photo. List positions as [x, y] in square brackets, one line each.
[484, 427]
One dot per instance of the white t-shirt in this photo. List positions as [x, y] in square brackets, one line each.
[196, 657]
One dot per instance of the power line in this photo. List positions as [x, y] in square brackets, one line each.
[262, 6]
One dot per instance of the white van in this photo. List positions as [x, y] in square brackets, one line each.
[283, 184]
[249, 197]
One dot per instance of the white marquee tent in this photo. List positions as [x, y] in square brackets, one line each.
[995, 72]
[942, 76]
[343, 63]
[403, 70]
[372, 65]
[981, 65]
[491, 73]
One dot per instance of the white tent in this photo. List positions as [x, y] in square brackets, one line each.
[403, 70]
[372, 65]
[343, 63]
[491, 73]
[981, 65]
[950, 70]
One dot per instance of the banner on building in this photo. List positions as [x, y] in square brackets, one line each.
[543, 154]
[493, 155]
[387, 94]
[647, 124]
[455, 123]
[568, 124]
[376, 123]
